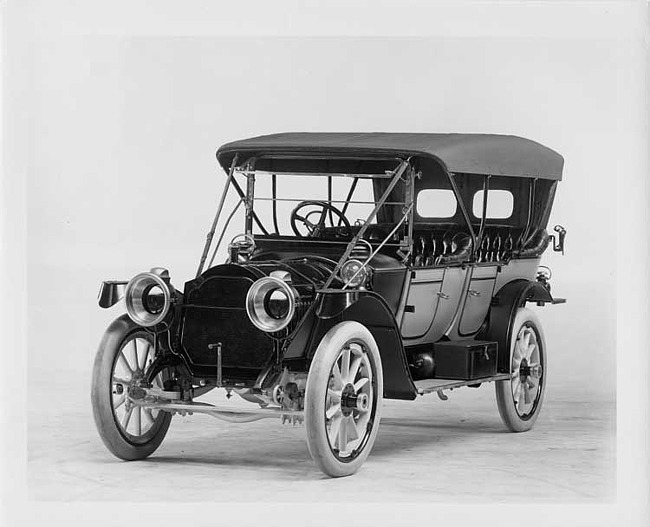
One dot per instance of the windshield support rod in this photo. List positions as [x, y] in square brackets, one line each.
[397, 176]
[274, 192]
[208, 241]
[407, 246]
[353, 187]
[329, 200]
[223, 231]
[243, 196]
[250, 194]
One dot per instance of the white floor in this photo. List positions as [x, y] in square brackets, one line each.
[453, 451]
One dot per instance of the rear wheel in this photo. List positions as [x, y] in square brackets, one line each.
[343, 399]
[129, 431]
[520, 398]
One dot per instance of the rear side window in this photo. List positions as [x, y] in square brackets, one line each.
[500, 204]
[436, 203]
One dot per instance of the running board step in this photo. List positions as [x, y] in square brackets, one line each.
[436, 385]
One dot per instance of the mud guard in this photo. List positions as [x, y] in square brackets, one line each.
[505, 303]
[369, 309]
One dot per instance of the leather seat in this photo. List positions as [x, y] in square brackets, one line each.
[536, 246]
[460, 250]
[449, 246]
[441, 247]
[497, 244]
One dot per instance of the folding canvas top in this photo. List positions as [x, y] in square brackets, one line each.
[490, 154]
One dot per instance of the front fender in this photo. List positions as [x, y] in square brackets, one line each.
[369, 309]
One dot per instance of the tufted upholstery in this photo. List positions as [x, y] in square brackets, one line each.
[451, 245]
[498, 244]
[446, 246]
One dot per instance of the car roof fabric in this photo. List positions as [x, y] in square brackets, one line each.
[497, 155]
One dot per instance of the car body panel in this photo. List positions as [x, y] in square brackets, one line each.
[421, 302]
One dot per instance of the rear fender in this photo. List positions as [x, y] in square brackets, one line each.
[504, 307]
[334, 306]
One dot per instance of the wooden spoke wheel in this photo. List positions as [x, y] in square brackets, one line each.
[520, 398]
[129, 431]
[343, 399]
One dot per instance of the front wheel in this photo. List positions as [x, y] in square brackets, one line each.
[520, 399]
[129, 431]
[343, 399]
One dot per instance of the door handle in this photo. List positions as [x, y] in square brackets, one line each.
[442, 295]
[473, 292]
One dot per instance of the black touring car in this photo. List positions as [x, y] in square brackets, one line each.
[369, 266]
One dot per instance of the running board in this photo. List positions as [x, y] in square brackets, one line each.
[437, 385]
[230, 414]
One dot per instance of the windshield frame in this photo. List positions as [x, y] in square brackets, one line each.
[402, 171]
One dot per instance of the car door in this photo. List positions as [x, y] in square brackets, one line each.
[451, 296]
[421, 302]
[477, 299]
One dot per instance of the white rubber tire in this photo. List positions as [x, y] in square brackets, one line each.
[508, 409]
[318, 381]
[119, 332]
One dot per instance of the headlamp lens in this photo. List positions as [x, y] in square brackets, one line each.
[271, 304]
[147, 299]
[277, 304]
[153, 299]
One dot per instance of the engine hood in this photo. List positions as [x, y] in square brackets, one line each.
[309, 272]
[306, 272]
[213, 312]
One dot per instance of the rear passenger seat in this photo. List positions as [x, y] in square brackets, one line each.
[498, 244]
[436, 246]
[451, 245]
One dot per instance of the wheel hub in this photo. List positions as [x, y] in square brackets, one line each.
[527, 370]
[348, 399]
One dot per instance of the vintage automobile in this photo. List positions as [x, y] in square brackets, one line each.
[369, 266]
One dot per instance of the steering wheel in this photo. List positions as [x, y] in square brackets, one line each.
[314, 220]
